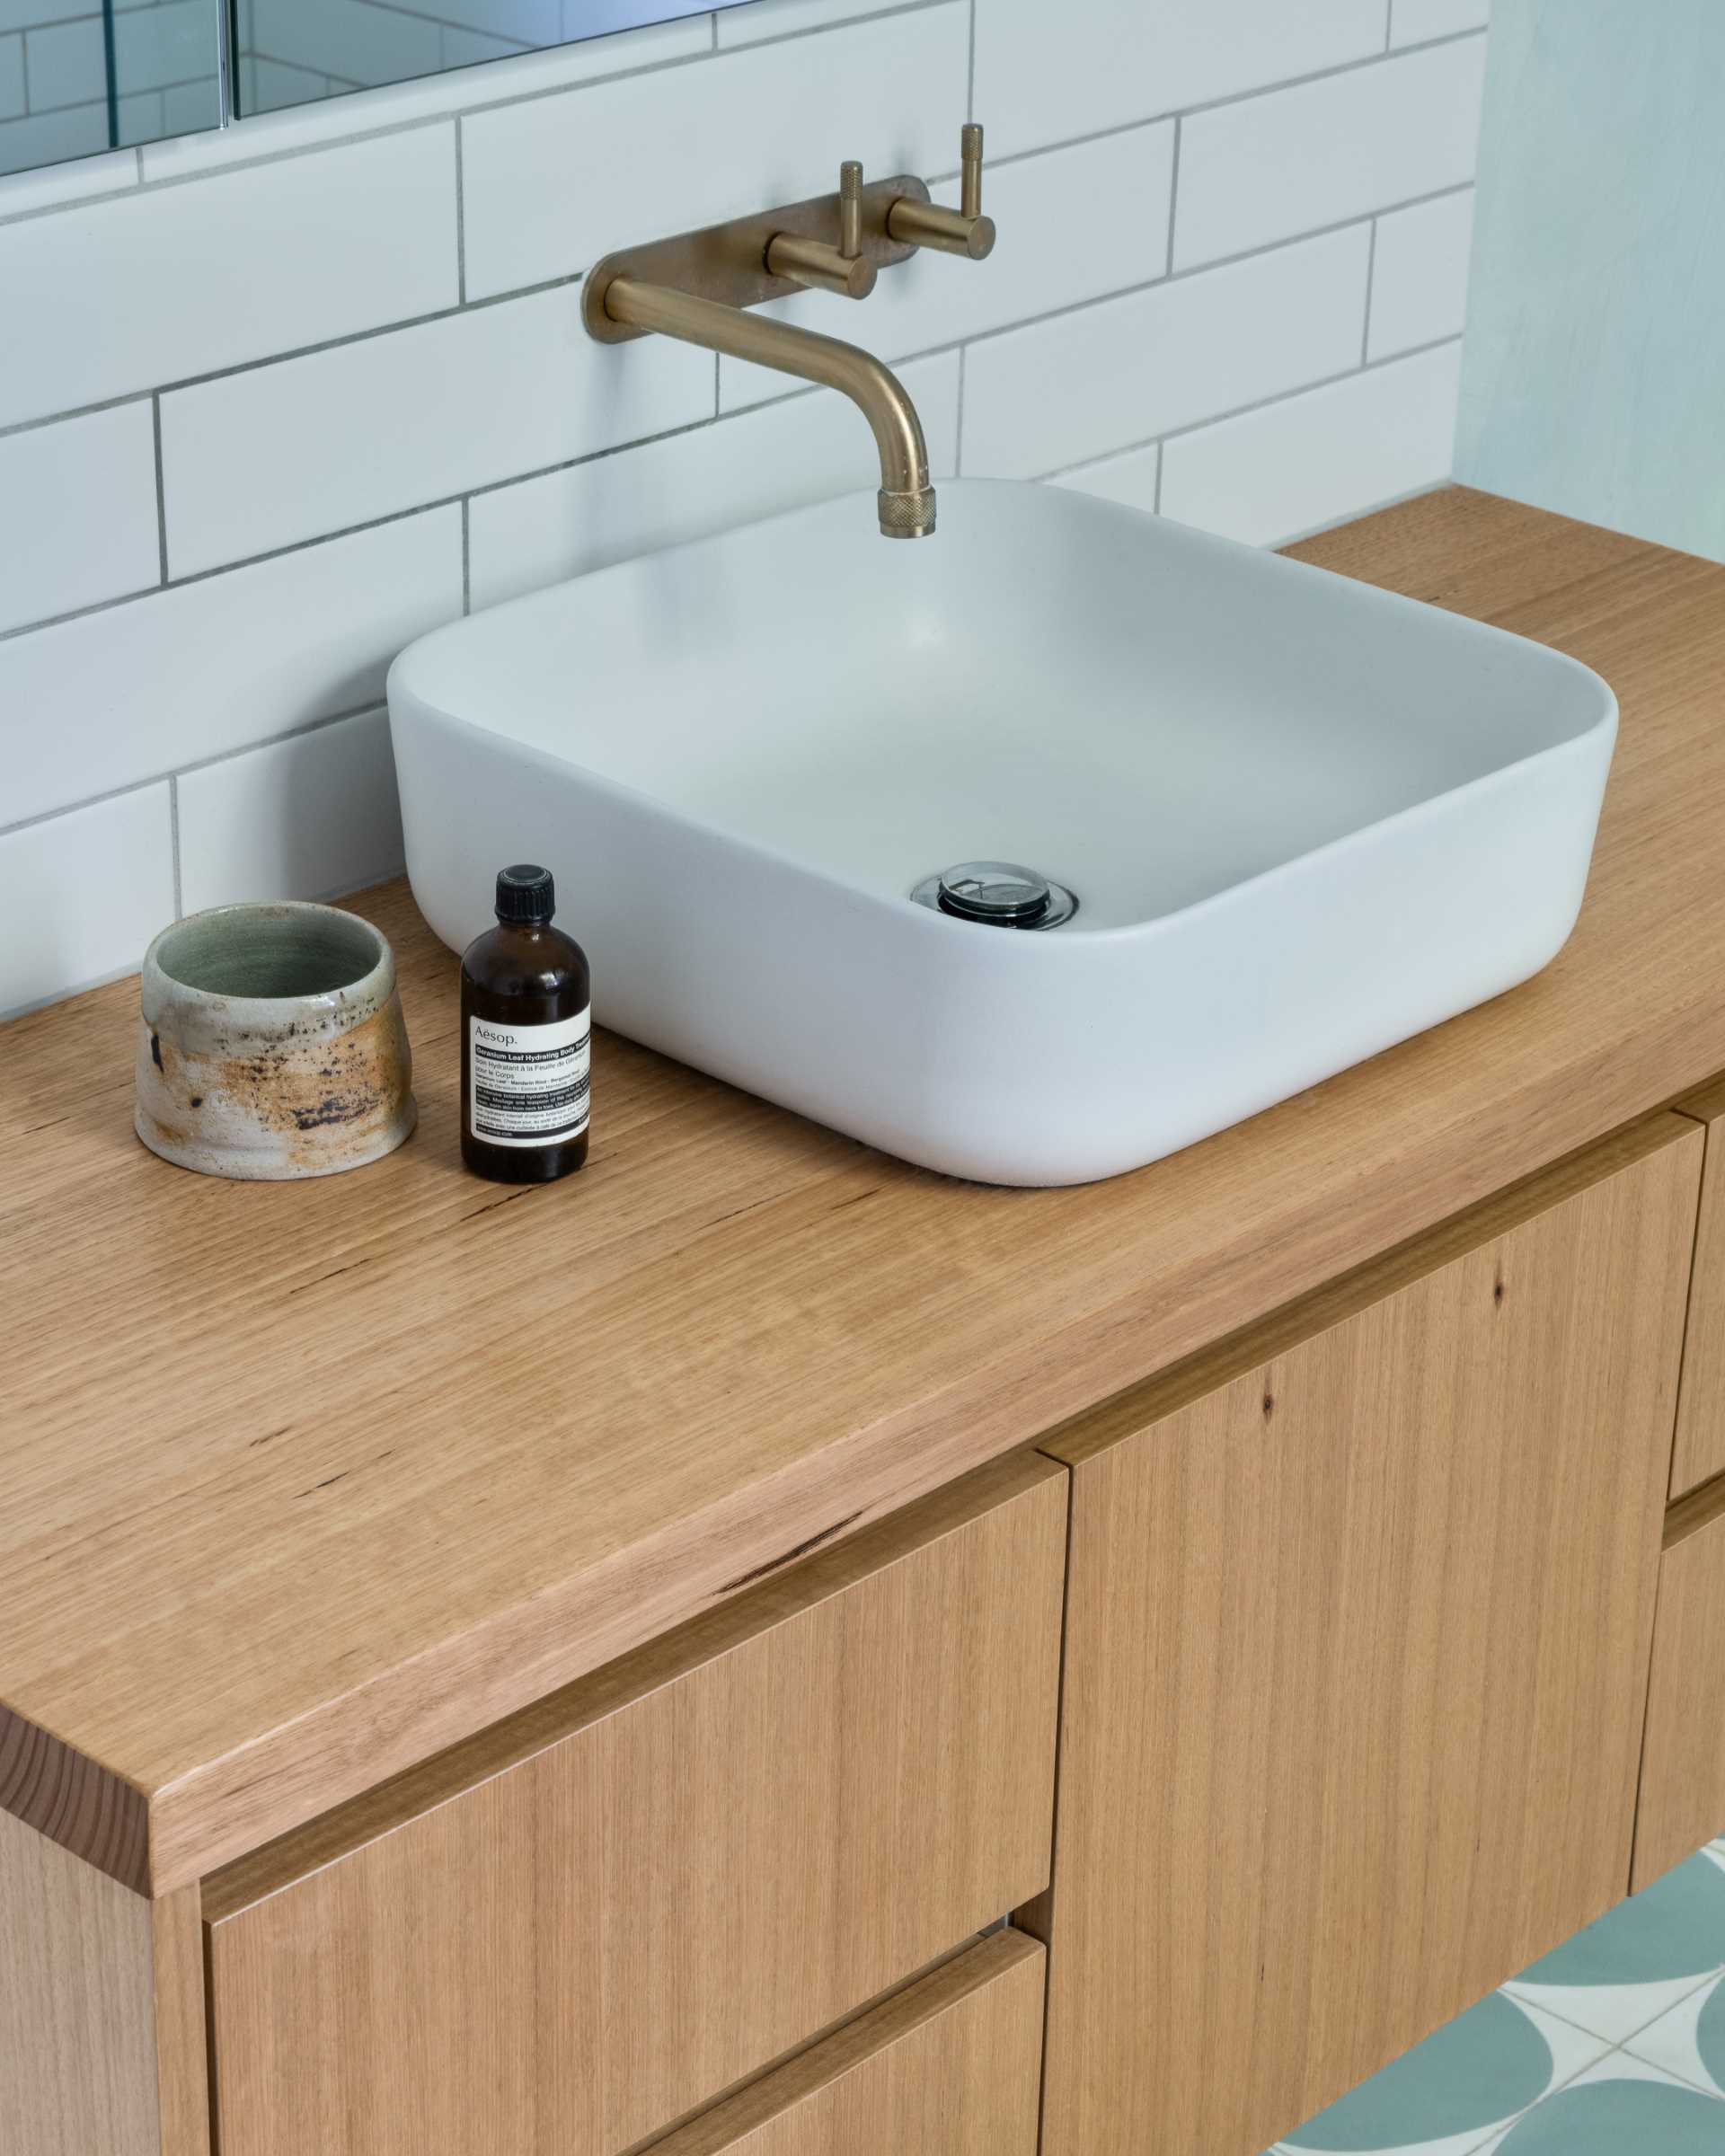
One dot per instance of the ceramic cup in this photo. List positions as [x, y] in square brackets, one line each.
[271, 1044]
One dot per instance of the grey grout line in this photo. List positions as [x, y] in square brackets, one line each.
[371, 524]
[183, 771]
[173, 840]
[958, 447]
[1389, 22]
[466, 556]
[1161, 465]
[1235, 97]
[1239, 412]
[970, 69]
[461, 222]
[1371, 272]
[571, 463]
[1174, 201]
[161, 489]
[1617, 2042]
[301, 351]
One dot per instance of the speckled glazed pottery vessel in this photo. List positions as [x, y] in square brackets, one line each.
[271, 1044]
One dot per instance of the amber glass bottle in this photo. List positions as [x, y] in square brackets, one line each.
[524, 1051]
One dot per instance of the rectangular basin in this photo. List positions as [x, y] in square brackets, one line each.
[1302, 819]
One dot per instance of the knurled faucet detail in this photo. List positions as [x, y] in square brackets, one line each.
[699, 285]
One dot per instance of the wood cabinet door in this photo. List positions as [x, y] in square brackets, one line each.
[1699, 1453]
[1683, 1761]
[1357, 1629]
[947, 2067]
[581, 1927]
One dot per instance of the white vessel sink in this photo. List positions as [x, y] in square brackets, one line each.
[1302, 819]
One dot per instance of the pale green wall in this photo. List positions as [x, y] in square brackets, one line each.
[1592, 376]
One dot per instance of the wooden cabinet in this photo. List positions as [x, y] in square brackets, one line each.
[1699, 1452]
[1683, 1761]
[581, 1927]
[1357, 1634]
[102, 2017]
[950, 2067]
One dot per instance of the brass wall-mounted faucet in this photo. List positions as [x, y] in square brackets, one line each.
[697, 286]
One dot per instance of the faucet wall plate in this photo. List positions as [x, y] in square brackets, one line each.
[728, 262]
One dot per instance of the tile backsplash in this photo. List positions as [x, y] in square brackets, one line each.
[272, 402]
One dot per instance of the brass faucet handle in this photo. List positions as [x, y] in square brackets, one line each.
[850, 210]
[963, 230]
[970, 161]
[819, 265]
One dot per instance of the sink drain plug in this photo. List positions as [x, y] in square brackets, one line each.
[999, 894]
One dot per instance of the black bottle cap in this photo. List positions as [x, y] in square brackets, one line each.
[526, 893]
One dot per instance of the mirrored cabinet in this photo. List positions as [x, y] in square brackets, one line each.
[78, 78]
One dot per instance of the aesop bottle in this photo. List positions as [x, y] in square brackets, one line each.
[524, 1027]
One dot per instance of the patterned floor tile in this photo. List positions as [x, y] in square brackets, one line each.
[1690, 2040]
[1620, 2105]
[1476, 2075]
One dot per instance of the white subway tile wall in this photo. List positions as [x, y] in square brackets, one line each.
[1268, 167]
[308, 817]
[1072, 388]
[272, 402]
[1301, 463]
[1419, 274]
[98, 539]
[1415, 22]
[122, 850]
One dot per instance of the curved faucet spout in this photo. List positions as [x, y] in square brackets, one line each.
[907, 499]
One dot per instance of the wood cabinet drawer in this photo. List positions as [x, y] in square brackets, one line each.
[1682, 1755]
[950, 2067]
[588, 1923]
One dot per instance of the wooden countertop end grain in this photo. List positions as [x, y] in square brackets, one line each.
[299, 1483]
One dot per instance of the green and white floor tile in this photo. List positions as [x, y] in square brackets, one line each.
[1612, 2043]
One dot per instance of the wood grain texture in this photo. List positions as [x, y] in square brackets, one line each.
[950, 2067]
[73, 1801]
[1699, 1453]
[1358, 1632]
[1683, 1761]
[278, 1518]
[182, 2029]
[573, 1933]
[77, 2014]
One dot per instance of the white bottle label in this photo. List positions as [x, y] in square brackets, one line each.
[529, 1083]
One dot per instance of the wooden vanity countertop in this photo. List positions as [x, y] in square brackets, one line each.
[301, 1482]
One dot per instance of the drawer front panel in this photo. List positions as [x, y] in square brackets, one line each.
[577, 1930]
[1683, 1759]
[950, 2066]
